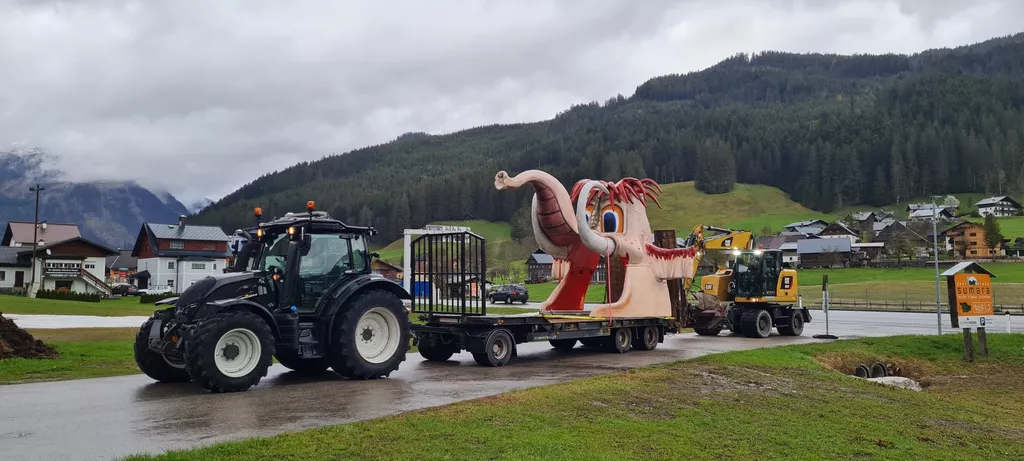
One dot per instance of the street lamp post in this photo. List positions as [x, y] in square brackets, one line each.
[935, 242]
[35, 236]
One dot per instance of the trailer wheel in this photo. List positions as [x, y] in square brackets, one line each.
[498, 349]
[795, 327]
[756, 323]
[620, 341]
[592, 342]
[434, 350]
[563, 344]
[648, 337]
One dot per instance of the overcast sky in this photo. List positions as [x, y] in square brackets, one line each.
[201, 97]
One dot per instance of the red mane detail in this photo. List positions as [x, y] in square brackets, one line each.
[627, 189]
[667, 253]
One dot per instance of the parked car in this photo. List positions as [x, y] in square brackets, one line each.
[509, 294]
[125, 289]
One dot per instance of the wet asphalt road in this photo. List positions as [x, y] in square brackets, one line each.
[109, 417]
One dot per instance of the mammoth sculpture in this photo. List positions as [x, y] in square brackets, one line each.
[610, 220]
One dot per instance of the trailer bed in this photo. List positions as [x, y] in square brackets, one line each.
[492, 338]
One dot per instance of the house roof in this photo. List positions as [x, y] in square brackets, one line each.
[881, 225]
[18, 231]
[869, 245]
[927, 213]
[9, 257]
[123, 260]
[788, 246]
[862, 215]
[187, 232]
[809, 222]
[542, 258]
[815, 246]
[104, 248]
[841, 227]
[924, 206]
[967, 266]
[807, 230]
[992, 201]
[772, 242]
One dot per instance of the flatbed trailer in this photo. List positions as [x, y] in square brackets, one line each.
[492, 339]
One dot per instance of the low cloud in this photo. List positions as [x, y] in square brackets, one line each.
[199, 98]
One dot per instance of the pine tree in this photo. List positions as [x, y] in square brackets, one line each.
[993, 235]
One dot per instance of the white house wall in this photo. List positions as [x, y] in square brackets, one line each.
[181, 276]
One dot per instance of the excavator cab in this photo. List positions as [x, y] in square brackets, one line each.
[758, 276]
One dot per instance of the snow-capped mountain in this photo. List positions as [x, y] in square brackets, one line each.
[108, 212]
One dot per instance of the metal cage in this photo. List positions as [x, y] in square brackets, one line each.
[449, 274]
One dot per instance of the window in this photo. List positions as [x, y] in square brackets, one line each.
[177, 245]
[90, 266]
[974, 234]
[170, 264]
[170, 283]
[974, 252]
[3, 276]
[214, 266]
[62, 285]
[199, 266]
[973, 243]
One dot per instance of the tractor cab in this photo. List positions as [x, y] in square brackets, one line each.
[304, 255]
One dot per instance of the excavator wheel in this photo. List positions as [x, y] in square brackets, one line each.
[756, 323]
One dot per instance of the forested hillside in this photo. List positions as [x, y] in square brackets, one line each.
[830, 130]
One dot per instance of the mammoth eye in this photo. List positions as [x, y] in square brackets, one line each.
[611, 219]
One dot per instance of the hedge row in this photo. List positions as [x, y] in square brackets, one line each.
[69, 295]
[154, 297]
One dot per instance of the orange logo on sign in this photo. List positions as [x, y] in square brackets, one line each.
[973, 295]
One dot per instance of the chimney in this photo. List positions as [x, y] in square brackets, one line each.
[181, 221]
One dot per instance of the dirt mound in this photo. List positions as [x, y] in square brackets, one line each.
[15, 342]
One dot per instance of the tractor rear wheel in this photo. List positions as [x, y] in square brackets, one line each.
[372, 336]
[154, 364]
[229, 351]
[292, 361]
[756, 323]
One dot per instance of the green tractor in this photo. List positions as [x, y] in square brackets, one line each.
[302, 291]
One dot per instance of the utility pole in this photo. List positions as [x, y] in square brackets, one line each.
[35, 236]
[935, 242]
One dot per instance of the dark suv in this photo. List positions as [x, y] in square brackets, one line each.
[509, 294]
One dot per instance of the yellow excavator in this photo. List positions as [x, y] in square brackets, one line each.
[750, 296]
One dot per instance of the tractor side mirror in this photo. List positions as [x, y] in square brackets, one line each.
[375, 255]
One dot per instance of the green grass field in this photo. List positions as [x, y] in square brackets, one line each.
[84, 353]
[539, 292]
[126, 306]
[716, 407]
[746, 207]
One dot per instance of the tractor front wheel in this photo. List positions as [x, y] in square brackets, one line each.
[229, 351]
[372, 336]
[154, 364]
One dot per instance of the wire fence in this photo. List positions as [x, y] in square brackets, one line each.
[900, 306]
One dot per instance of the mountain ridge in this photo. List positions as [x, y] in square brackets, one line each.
[830, 130]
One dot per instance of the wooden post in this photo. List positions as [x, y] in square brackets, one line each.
[982, 342]
[667, 239]
[968, 345]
